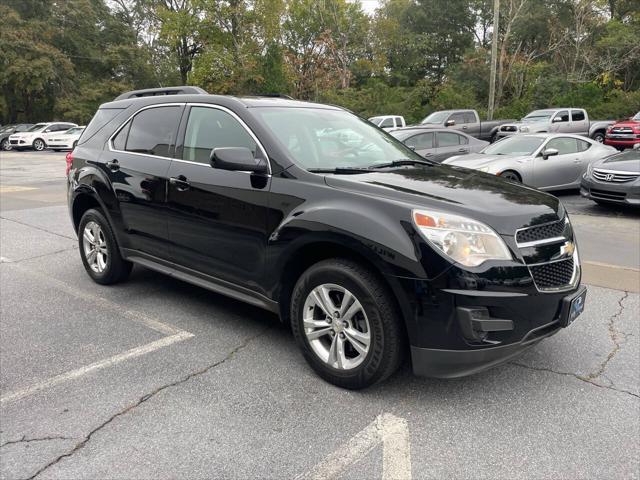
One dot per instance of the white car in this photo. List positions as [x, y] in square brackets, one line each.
[66, 140]
[36, 137]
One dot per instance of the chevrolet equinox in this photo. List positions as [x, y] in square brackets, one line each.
[367, 250]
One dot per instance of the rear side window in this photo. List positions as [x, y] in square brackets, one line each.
[446, 139]
[398, 122]
[210, 128]
[99, 120]
[577, 115]
[153, 131]
[469, 117]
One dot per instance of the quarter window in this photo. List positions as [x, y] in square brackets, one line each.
[153, 131]
[120, 140]
[210, 128]
[583, 145]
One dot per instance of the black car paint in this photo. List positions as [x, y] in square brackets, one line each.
[242, 234]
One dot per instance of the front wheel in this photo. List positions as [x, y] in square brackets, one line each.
[511, 175]
[346, 324]
[99, 250]
[39, 145]
[5, 146]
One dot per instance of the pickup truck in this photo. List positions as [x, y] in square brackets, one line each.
[467, 121]
[624, 134]
[558, 120]
[388, 122]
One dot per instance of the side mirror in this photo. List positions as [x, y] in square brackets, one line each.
[236, 159]
[549, 152]
[449, 123]
[556, 120]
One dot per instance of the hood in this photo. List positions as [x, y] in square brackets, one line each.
[503, 205]
[628, 161]
[627, 123]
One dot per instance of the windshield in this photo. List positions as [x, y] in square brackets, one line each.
[539, 116]
[376, 120]
[6, 128]
[517, 145]
[637, 117]
[326, 139]
[37, 127]
[436, 118]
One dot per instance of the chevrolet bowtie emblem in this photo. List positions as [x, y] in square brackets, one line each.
[567, 249]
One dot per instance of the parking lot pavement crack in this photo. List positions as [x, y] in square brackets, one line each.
[617, 338]
[576, 376]
[144, 399]
[37, 228]
[24, 439]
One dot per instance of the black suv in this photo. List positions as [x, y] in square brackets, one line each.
[367, 250]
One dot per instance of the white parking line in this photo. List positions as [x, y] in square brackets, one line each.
[119, 358]
[174, 335]
[390, 431]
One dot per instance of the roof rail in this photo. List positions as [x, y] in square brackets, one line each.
[151, 92]
[274, 95]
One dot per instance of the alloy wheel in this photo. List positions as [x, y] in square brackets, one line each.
[38, 145]
[5, 145]
[336, 326]
[95, 247]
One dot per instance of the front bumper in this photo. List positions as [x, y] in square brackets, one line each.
[620, 193]
[59, 145]
[628, 142]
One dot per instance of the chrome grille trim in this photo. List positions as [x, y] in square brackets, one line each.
[613, 176]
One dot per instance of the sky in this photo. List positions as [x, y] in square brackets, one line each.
[369, 6]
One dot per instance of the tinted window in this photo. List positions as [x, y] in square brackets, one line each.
[564, 145]
[388, 122]
[153, 130]
[120, 140]
[446, 139]
[210, 128]
[469, 117]
[99, 120]
[577, 115]
[458, 118]
[421, 141]
[562, 116]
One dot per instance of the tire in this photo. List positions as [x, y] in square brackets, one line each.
[371, 318]
[598, 137]
[108, 266]
[39, 145]
[511, 175]
[5, 146]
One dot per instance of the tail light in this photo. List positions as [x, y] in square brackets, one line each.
[69, 159]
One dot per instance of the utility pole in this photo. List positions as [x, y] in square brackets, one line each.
[494, 58]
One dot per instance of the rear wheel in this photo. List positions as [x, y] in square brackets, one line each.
[511, 175]
[598, 137]
[39, 145]
[345, 322]
[99, 250]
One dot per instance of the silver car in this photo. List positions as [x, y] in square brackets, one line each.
[545, 161]
[438, 144]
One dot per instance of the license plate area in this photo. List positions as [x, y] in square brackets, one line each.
[572, 307]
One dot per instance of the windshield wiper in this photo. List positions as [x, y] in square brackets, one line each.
[339, 170]
[401, 162]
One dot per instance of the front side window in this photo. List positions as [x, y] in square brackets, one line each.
[153, 131]
[447, 139]
[327, 138]
[388, 122]
[209, 128]
[564, 145]
[562, 116]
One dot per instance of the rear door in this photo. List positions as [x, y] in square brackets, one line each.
[579, 122]
[423, 144]
[137, 162]
[450, 144]
[217, 218]
[561, 169]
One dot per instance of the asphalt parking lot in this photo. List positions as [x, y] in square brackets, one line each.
[155, 378]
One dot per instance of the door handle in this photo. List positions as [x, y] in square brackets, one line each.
[113, 165]
[180, 182]
[464, 127]
[463, 150]
[427, 154]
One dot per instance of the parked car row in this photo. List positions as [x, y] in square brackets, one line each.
[53, 135]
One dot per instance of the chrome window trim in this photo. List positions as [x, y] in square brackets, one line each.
[114, 134]
[183, 104]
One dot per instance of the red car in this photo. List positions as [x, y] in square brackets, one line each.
[624, 134]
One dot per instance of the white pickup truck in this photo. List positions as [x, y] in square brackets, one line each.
[557, 120]
[388, 122]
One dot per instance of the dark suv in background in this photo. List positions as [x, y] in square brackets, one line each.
[368, 251]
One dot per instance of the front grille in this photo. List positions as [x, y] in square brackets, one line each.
[13, 142]
[509, 128]
[604, 176]
[605, 195]
[622, 130]
[553, 275]
[540, 232]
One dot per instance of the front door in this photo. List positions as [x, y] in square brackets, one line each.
[217, 218]
[561, 169]
[137, 162]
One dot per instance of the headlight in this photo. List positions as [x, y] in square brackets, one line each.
[462, 239]
[524, 129]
